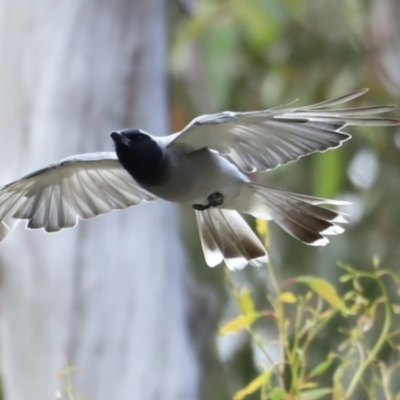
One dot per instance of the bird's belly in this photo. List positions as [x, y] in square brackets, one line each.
[195, 176]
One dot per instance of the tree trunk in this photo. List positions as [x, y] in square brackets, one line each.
[109, 294]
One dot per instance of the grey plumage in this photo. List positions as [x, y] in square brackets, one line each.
[209, 157]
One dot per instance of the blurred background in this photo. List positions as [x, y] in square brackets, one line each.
[248, 55]
[208, 56]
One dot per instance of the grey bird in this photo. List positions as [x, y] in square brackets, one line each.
[206, 166]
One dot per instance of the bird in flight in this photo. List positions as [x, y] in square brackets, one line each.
[206, 166]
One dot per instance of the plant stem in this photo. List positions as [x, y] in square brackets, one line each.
[381, 340]
[274, 280]
[260, 344]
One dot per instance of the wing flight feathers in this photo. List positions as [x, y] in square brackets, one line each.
[263, 140]
[78, 187]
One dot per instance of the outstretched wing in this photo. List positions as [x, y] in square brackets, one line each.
[263, 140]
[82, 186]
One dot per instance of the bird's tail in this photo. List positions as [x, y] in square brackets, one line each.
[301, 216]
[226, 236]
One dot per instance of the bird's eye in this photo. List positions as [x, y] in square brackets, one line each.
[139, 137]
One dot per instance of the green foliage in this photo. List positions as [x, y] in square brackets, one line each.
[354, 364]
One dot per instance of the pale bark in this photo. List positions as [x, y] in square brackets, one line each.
[108, 294]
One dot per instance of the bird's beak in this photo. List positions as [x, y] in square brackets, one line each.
[118, 137]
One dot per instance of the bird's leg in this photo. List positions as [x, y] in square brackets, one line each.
[214, 200]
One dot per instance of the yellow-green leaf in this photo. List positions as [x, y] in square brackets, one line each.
[261, 227]
[315, 394]
[327, 291]
[241, 322]
[308, 385]
[246, 302]
[346, 278]
[287, 297]
[253, 386]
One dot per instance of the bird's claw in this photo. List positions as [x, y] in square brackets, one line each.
[200, 207]
[214, 200]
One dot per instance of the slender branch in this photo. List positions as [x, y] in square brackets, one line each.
[381, 340]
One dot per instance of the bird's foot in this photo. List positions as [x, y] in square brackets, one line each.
[214, 200]
[200, 207]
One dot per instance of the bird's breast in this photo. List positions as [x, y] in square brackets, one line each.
[191, 178]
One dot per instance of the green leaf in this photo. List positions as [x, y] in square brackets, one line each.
[241, 322]
[278, 394]
[322, 367]
[314, 394]
[253, 386]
